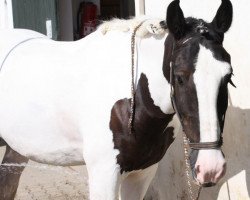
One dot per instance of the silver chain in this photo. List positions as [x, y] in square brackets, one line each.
[132, 104]
[188, 169]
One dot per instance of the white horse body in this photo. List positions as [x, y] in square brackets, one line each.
[47, 93]
[56, 100]
[56, 97]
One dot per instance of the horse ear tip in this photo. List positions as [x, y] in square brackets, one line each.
[227, 2]
[177, 2]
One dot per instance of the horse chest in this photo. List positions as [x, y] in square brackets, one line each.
[150, 139]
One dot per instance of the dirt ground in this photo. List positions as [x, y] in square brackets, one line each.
[43, 182]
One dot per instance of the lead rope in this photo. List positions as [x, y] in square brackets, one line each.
[188, 169]
[132, 104]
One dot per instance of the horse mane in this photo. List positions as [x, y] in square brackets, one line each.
[149, 27]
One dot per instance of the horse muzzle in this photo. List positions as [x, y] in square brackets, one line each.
[197, 182]
[208, 167]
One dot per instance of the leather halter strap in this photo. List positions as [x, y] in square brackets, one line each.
[192, 145]
[206, 145]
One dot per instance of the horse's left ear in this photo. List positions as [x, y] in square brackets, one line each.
[223, 18]
[175, 20]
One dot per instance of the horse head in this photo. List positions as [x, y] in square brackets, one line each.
[199, 70]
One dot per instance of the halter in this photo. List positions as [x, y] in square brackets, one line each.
[192, 145]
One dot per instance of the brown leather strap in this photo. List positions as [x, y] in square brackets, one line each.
[206, 145]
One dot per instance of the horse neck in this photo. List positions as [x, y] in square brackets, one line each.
[149, 119]
[150, 52]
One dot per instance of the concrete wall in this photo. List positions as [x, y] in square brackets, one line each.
[170, 180]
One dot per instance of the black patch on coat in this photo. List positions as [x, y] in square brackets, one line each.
[150, 140]
[2, 142]
[222, 103]
[169, 45]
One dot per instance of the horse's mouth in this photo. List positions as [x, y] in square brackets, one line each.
[206, 184]
[210, 184]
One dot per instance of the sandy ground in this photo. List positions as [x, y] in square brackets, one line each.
[43, 182]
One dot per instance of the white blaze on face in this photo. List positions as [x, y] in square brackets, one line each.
[207, 78]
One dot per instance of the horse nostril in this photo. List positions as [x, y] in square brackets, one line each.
[197, 169]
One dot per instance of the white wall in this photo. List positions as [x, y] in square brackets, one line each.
[139, 7]
[170, 180]
[6, 17]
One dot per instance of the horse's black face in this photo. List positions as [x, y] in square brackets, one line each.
[185, 94]
[185, 79]
[201, 71]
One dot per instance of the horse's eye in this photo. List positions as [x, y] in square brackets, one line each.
[179, 80]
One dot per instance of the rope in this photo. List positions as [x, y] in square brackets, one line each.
[132, 115]
[132, 104]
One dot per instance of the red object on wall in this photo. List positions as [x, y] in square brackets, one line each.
[88, 18]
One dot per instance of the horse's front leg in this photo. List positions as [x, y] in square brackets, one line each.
[103, 171]
[104, 181]
[10, 175]
[135, 185]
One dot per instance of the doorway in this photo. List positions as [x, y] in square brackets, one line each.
[59, 19]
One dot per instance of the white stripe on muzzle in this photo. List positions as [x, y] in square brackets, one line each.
[208, 74]
[207, 78]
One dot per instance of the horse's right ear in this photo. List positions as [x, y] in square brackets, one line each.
[175, 20]
[223, 18]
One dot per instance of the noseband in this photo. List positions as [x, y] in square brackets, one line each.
[192, 145]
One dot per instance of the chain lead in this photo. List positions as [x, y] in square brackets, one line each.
[188, 169]
[132, 104]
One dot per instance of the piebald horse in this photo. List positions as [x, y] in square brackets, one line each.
[68, 103]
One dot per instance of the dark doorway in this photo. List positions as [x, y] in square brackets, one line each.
[38, 15]
[117, 9]
[59, 19]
